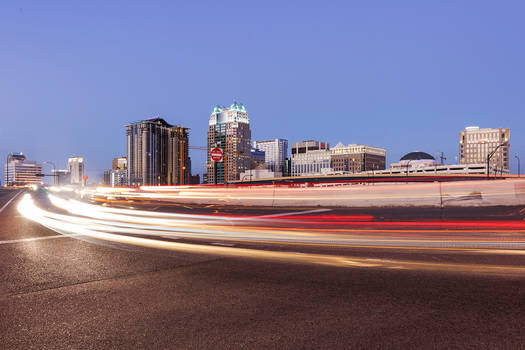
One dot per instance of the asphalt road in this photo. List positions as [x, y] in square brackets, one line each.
[64, 292]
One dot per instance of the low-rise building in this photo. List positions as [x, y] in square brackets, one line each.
[254, 174]
[355, 158]
[22, 172]
[310, 158]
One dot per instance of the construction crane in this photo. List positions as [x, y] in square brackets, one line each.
[200, 148]
[441, 156]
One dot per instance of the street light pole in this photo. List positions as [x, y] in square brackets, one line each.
[518, 158]
[6, 170]
[490, 156]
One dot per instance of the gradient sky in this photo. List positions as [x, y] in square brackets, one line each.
[403, 75]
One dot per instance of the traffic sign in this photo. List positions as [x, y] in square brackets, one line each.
[216, 154]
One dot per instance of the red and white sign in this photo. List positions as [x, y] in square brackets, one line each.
[216, 154]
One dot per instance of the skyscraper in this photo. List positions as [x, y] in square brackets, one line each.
[476, 144]
[276, 152]
[157, 153]
[229, 130]
[75, 166]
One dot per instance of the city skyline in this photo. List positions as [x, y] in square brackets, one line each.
[263, 175]
[415, 88]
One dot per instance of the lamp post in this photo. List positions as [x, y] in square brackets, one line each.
[518, 158]
[490, 156]
[7, 171]
[408, 164]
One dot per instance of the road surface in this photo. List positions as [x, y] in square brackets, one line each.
[59, 291]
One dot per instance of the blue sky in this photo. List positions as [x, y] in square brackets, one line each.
[403, 75]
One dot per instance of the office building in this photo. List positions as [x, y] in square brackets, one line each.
[229, 130]
[118, 178]
[22, 172]
[357, 158]
[195, 179]
[106, 177]
[476, 144]
[119, 163]
[258, 159]
[61, 177]
[157, 153]
[275, 151]
[310, 158]
[75, 166]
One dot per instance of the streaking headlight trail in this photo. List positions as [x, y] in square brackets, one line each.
[158, 230]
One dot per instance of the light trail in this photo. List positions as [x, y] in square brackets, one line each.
[275, 229]
[121, 229]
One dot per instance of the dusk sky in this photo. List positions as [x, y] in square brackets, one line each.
[402, 75]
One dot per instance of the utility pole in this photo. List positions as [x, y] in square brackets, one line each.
[490, 156]
[518, 158]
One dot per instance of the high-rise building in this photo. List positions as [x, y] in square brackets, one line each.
[119, 163]
[275, 151]
[21, 172]
[229, 130]
[310, 158]
[357, 158]
[75, 166]
[476, 144]
[157, 153]
[258, 159]
[118, 177]
[106, 177]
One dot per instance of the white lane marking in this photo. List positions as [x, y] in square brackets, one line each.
[224, 244]
[9, 201]
[295, 213]
[22, 240]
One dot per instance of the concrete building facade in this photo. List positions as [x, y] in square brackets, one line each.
[22, 172]
[310, 158]
[119, 163]
[357, 158]
[75, 167]
[476, 144]
[118, 178]
[229, 130]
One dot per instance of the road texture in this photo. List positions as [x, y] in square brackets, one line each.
[63, 292]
